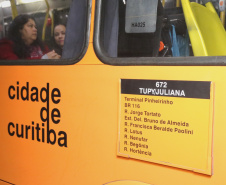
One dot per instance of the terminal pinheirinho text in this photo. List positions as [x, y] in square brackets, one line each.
[149, 100]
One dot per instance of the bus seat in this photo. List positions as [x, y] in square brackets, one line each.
[206, 32]
[75, 30]
[141, 17]
[139, 44]
[117, 43]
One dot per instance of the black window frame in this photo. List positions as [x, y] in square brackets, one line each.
[146, 61]
[71, 61]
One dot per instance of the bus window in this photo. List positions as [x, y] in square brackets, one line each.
[69, 18]
[127, 29]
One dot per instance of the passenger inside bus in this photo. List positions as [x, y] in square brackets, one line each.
[58, 38]
[23, 42]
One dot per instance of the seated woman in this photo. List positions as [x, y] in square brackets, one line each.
[23, 42]
[58, 40]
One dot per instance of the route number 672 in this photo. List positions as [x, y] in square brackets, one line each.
[161, 84]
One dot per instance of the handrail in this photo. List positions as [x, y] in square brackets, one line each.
[45, 21]
[13, 8]
[163, 2]
[222, 11]
[222, 17]
[178, 3]
[52, 22]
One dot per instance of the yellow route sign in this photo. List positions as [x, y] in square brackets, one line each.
[167, 122]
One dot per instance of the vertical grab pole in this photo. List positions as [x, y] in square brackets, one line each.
[13, 8]
[163, 2]
[178, 3]
[222, 17]
[52, 22]
[222, 11]
[45, 21]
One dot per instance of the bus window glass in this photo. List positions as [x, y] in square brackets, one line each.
[130, 28]
[37, 29]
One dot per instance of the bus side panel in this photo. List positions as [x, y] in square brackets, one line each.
[70, 136]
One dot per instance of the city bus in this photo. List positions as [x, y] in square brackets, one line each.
[137, 97]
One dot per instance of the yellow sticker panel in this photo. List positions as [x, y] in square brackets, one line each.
[167, 122]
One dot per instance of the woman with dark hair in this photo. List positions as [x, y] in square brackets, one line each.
[23, 42]
[58, 39]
